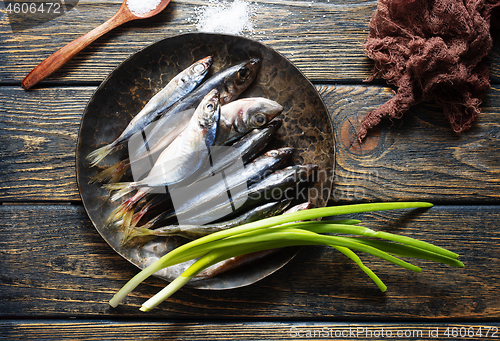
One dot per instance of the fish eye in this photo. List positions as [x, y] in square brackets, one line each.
[210, 106]
[273, 153]
[199, 68]
[260, 119]
[244, 72]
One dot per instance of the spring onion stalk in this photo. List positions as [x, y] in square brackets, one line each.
[324, 227]
[354, 257]
[303, 237]
[218, 241]
[213, 257]
[409, 251]
[270, 239]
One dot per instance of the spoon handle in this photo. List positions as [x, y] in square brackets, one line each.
[63, 55]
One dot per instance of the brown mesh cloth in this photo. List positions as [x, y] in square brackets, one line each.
[431, 50]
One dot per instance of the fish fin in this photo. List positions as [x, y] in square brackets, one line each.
[127, 218]
[109, 173]
[118, 175]
[151, 223]
[138, 216]
[121, 193]
[135, 232]
[97, 155]
[115, 214]
[118, 186]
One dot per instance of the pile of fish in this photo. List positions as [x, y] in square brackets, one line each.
[197, 155]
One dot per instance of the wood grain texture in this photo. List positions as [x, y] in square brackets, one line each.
[55, 264]
[416, 158]
[38, 133]
[67, 52]
[163, 330]
[323, 38]
[58, 273]
[337, 30]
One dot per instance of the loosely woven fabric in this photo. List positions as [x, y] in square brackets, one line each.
[431, 50]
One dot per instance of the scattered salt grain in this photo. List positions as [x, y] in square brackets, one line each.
[227, 18]
[139, 7]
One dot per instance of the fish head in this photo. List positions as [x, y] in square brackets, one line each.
[198, 70]
[257, 113]
[298, 173]
[282, 153]
[208, 114]
[239, 78]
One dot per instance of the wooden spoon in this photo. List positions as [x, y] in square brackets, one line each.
[63, 55]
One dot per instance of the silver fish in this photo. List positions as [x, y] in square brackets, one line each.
[237, 119]
[246, 149]
[243, 115]
[276, 186]
[214, 190]
[190, 199]
[180, 86]
[252, 113]
[195, 231]
[230, 82]
[186, 154]
[238, 261]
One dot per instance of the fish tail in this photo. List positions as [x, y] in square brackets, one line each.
[97, 155]
[145, 208]
[116, 214]
[138, 216]
[150, 223]
[110, 173]
[127, 219]
[117, 186]
[119, 212]
[125, 207]
[121, 193]
[122, 188]
[126, 228]
[135, 232]
[153, 221]
[118, 175]
[131, 231]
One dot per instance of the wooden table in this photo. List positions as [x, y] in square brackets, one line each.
[57, 274]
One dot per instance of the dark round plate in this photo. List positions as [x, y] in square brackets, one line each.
[306, 127]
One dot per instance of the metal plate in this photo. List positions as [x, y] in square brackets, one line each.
[306, 127]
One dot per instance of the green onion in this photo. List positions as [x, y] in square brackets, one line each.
[284, 230]
[367, 270]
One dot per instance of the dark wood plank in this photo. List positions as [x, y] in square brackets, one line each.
[416, 158]
[161, 330]
[337, 30]
[323, 38]
[55, 264]
[39, 131]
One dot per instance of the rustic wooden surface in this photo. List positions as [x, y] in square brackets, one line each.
[58, 270]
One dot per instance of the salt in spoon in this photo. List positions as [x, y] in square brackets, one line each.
[63, 55]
